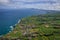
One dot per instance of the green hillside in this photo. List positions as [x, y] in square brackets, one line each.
[38, 27]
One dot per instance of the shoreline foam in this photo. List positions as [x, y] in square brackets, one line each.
[14, 25]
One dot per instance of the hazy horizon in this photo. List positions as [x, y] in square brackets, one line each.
[37, 4]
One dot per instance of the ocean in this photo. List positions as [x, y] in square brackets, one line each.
[9, 18]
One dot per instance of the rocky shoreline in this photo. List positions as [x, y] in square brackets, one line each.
[12, 27]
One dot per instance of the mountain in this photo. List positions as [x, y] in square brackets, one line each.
[40, 27]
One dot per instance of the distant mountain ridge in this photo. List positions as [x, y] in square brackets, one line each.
[28, 10]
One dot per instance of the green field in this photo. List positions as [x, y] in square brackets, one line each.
[38, 27]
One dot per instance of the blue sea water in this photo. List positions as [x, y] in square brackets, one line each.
[11, 17]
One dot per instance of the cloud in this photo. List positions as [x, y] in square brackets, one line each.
[4, 1]
[38, 4]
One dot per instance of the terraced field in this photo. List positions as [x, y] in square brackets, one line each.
[38, 27]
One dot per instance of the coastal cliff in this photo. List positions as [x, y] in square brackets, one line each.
[38, 27]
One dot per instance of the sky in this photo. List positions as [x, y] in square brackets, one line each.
[37, 4]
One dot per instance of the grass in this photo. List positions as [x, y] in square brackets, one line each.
[42, 26]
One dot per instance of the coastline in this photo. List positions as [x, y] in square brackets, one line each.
[11, 28]
[33, 26]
